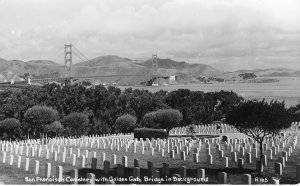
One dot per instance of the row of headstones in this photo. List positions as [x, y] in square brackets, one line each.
[152, 150]
[224, 128]
[202, 129]
[63, 140]
[26, 166]
[106, 168]
[246, 178]
[278, 165]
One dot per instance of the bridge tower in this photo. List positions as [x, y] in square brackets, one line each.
[68, 60]
[154, 68]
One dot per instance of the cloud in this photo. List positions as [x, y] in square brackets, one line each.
[208, 31]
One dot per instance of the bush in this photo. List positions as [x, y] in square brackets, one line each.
[163, 119]
[54, 128]
[10, 128]
[38, 117]
[150, 133]
[125, 124]
[76, 121]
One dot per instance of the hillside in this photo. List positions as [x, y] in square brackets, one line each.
[171, 67]
[272, 72]
[12, 68]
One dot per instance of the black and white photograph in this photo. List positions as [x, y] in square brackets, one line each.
[143, 92]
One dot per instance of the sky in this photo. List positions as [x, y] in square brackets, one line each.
[226, 34]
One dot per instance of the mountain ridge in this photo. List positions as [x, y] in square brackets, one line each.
[116, 65]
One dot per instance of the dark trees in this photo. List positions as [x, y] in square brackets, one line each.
[11, 128]
[260, 119]
[125, 123]
[77, 122]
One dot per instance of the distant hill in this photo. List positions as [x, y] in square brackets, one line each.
[273, 72]
[171, 67]
[11, 68]
[115, 65]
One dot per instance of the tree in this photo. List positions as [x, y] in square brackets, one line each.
[164, 119]
[191, 130]
[125, 123]
[297, 115]
[54, 127]
[259, 119]
[38, 117]
[76, 121]
[11, 127]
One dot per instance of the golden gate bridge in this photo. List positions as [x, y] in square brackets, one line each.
[70, 49]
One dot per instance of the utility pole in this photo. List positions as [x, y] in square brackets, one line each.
[68, 60]
[154, 68]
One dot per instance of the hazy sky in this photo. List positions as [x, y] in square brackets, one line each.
[227, 34]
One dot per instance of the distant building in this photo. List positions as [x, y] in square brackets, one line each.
[173, 78]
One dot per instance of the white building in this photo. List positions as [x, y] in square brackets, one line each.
[172, 78]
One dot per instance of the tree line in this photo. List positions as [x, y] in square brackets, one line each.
[51, 108]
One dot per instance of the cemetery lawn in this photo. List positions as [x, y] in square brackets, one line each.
[13, 175]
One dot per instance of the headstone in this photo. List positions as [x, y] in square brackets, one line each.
[55, 156]
[200, 173]
[27, 164]
[94, 163]
[264, 160]
[222, 177]
[240, 163]
[125, 161]
[136, 163]
[182, 171]
[19, 161]
[282, 161]
[172, 154]
[106, 167]
[82, 161]
[59, 173]
[103, 156]
[285, 155]
[270, 154]
[4, 157]
[150, 166]
[114, 159]
[136, 173]
[225, 161]
[48, 170]
[11, 159]
[278, 168]
[233, 157]
[47, 154]
[248, 158]
[210, 159]
[221, 153]
[37, 167]
[64, 157]
[74, 160]
[196, 158]
[246, 179]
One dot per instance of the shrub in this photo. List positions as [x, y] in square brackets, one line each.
[150, 133]
[163, 119]
[54, 127]
[10, 127]
[125, 123]
[76, 121]
[38, 117]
